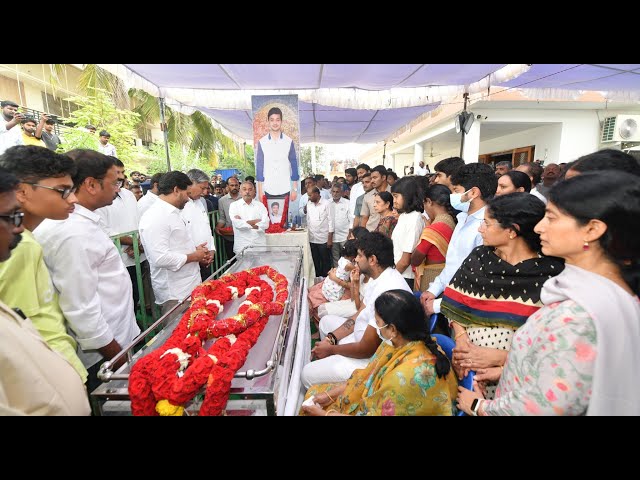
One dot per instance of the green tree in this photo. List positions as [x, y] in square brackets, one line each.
[182, 159]
[245, 164]
[305, 160]
[98, 109]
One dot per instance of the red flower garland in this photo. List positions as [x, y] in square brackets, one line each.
[177, 371]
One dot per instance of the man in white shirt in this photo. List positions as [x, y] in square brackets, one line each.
[347, 344]
[357, 190]
[309, 182]
[473, 185]
[340, 216]
[151, 196]
[172, 253]
[249, 218]
[321, 241]
[422, 170]
[122, 217]
[86, 268]
[104, 146]
[196, 217]
[10, 131]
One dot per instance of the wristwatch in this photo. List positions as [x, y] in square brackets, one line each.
[475, 406]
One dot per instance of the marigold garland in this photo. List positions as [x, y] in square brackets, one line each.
[163, 381]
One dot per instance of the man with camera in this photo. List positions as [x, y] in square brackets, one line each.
[49, 136]
[10, 135]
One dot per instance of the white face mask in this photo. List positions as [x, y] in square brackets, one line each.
[456, 201]
[374, 325]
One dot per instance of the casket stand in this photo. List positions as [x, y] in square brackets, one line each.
[261, 386]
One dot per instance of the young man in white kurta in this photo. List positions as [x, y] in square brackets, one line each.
[249, 218]
[375, 259]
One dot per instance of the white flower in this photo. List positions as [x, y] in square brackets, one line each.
[217, 304]
[232, 338]
[246, 302]
[213, 357]
[234, 292]
[183, 357]
[251, 289]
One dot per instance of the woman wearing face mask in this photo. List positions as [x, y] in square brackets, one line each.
[407, 375]
[579, 354]
[497, 287]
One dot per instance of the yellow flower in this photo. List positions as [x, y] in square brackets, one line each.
[166, 409]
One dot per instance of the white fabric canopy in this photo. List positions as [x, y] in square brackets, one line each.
[364, 103]
[339, 103]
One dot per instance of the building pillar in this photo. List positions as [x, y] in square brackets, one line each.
[418, 155]
[471, 148]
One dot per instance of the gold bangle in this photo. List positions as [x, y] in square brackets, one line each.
[458, 335]
[332, 400]
[329, 411]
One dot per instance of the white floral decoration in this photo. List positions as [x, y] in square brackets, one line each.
[183, 358]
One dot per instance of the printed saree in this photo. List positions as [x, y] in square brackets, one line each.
[489, 292]
[438, 234]
[396, 382]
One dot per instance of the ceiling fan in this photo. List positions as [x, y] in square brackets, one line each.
[431, 153]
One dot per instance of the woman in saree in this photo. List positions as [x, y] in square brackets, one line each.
[383, 205]
[429, 256]
[578, 355]
[498, 286]
[407, 375]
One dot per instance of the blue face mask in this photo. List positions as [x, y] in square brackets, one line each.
[456, 201]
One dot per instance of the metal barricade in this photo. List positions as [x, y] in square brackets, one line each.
[144, 318]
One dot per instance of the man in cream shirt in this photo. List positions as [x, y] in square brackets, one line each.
[250, 219]
[172, 253]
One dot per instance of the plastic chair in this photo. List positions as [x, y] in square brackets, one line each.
[447, 345]
[433, 318]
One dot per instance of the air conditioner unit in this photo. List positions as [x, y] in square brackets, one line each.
[621, 128]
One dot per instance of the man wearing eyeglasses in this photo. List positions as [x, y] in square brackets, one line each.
[86, 268]
[45, 191]
[34, 379]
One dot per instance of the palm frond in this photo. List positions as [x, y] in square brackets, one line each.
[96, 77]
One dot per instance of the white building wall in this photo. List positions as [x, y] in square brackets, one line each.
[575, 133]
[33, 96]
[546, 140]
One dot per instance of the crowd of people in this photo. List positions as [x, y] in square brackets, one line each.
[533, 273]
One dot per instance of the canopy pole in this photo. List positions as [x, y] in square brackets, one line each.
[466, 97]
[163, 127]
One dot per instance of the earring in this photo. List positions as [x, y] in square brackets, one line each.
[511, 237]
[585, 247]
